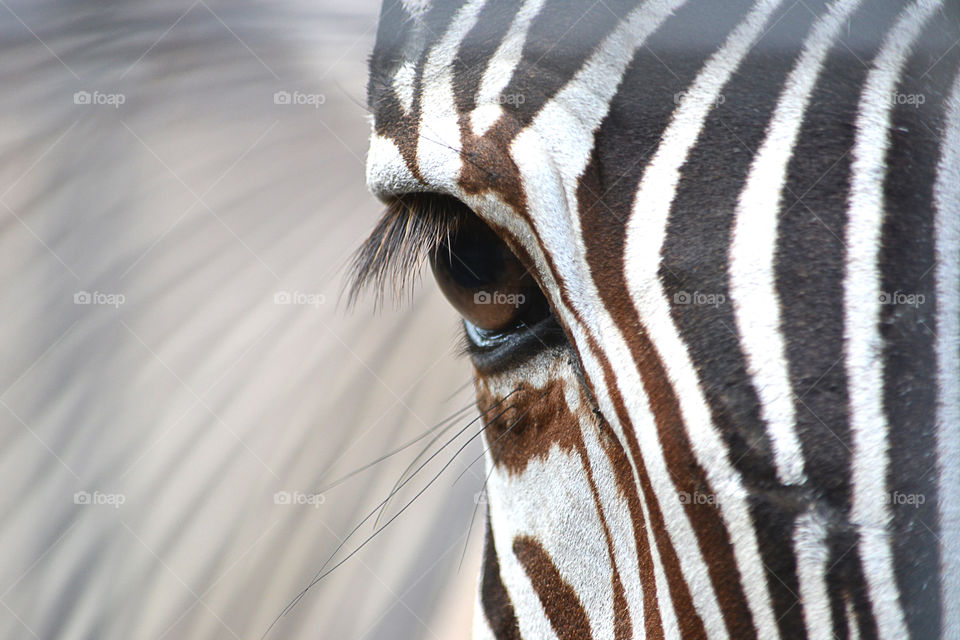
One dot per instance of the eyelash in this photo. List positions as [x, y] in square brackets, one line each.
[412, 227]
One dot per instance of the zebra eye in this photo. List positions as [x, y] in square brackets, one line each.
[485, 282]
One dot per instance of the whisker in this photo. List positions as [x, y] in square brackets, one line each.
[395, 488]
[400, 512]
[457, 414]
[321, 574]
[476, 505]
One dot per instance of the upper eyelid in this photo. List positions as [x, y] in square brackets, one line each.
[411, 227]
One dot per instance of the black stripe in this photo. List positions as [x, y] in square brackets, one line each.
[907, 322]
[497, 607]
[393, 46]
[845, 582]
[696, 249]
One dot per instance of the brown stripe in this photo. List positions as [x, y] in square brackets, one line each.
[535, 421]
[488, 166]
[691, 626]
[559, 600]
[487, 163]
[622, 626]
[497, 607]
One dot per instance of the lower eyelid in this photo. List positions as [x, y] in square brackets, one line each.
[482, 337]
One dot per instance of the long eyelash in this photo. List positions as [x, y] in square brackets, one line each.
[412, 228]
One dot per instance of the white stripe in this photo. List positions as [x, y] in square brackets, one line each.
[752, 286]
[438, 149]
[947, 199]
[481, 628]
[646, 233]
[517, 506]
[620, 523]
[631, 387]
[809, 544]
[403, 81]
[501, 67]
[863, 345]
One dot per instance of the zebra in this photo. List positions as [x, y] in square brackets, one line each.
[707, 257]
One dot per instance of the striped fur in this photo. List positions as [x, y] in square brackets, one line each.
[745, 217]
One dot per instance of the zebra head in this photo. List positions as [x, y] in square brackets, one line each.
[706, 255]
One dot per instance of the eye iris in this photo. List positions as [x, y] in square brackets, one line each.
[484, 281]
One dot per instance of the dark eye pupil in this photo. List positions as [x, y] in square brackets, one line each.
[475, 261]
[485, 281]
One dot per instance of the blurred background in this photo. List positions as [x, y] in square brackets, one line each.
[182, 397]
